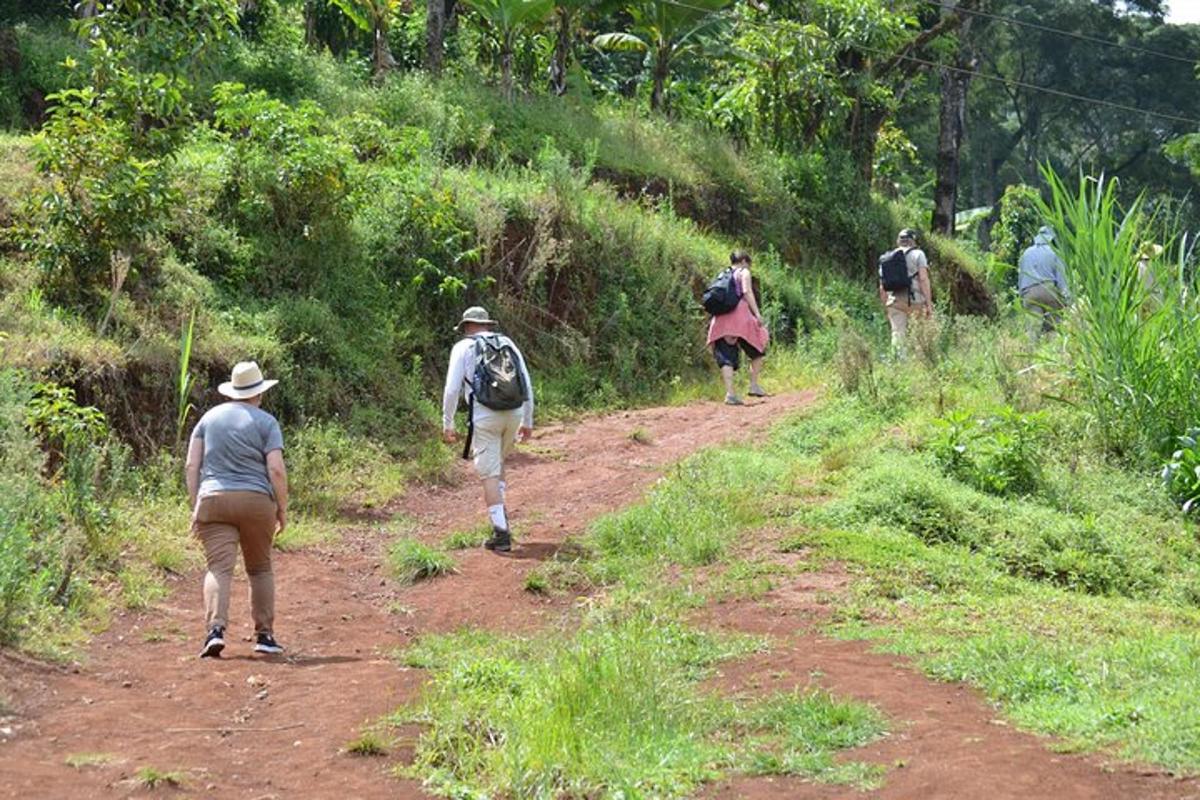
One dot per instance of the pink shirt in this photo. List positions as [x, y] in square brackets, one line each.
[740, 322]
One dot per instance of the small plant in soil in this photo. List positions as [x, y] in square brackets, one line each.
[152, 778]
[368, 743]
[641, 436]
[81, 760]
[467, 539]
[413, 561]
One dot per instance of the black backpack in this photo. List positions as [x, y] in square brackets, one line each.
[893, 271]
[723, 294]
[497, 381]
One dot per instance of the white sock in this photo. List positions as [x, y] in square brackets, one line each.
[499, 518]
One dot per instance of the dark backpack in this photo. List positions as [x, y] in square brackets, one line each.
[723, 294]
[497, 381]
[893, 271]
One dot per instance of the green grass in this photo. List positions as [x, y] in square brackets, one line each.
[468, 538]
[153, 778]
[412, 561]
[82, 760]
[611, 710]
[305, 531]
[367, 743]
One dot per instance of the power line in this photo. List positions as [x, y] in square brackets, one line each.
[974, 73]
[1083, 37]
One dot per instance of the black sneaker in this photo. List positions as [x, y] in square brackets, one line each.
[266, 644]
[214, 644]
[501, 541]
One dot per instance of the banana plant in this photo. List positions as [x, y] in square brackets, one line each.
[374, 17]
[664, 31]
[504, 21]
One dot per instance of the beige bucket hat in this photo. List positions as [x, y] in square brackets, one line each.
[246, 381]
[477, 315]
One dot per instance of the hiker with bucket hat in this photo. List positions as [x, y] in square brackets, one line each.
[237, 483]
[1042, 281]
[489, 369]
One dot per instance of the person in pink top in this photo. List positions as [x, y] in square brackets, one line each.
[741, 330]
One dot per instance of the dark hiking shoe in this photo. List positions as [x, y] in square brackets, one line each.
[214, 644]
[758, 391]
[500, 541]
[733, 400]
[266, 644]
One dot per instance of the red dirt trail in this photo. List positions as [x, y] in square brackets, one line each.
[262, 728]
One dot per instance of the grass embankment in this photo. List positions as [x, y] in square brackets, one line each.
[993, 545]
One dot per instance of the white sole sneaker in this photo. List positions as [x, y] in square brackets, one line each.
[270, 649]
[213, 648]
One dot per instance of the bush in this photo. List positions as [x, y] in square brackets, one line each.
[999, 453]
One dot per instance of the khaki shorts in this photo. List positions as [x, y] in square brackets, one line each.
[495, 436]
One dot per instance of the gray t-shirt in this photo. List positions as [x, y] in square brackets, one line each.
[237, 437]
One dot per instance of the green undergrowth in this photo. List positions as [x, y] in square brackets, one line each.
[613, 709]
[991, 538]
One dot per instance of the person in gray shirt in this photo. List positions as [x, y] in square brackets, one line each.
[237, 483]
[1041, 280]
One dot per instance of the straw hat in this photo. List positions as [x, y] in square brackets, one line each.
[246, 381]
[477, 315]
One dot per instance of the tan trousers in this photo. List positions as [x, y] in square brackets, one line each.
[898, 309]
[1045, 303]
[223, 522]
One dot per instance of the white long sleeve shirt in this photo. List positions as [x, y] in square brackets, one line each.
[462, 366]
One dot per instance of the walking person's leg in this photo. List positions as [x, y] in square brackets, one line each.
[256, 525]
[898, 320]
[756, 363]
[220, 540]
[728, 358]
[489, 451]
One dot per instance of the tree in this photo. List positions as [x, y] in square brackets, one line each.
[374, 17]
[105, 148]
[665, 32]
[504, 20]
[951, 128]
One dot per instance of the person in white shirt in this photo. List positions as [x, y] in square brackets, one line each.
[496, 421]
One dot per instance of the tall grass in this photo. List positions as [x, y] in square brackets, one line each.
[1132, 344]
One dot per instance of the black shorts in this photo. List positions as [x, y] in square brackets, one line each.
[728, 355]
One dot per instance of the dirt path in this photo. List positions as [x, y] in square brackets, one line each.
[142, 693]
[143, 698]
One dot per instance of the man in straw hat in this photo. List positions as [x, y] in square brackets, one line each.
[238, 486]
[489, 368]
[1042, 280]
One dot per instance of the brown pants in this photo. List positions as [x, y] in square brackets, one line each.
[223, 521]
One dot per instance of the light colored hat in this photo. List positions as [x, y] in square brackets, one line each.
[477, 315]
[246, 382]
[1150, 250]
[1045, 235]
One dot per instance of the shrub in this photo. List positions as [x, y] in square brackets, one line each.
[1181, 474]
[413, 561]
[998, 454]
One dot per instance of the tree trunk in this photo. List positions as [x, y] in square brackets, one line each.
[662, 68]
[435, 36]
[310, 24]
[87, 9]
[506, 79]
[951, 127]
[382, 60]
[562, 54]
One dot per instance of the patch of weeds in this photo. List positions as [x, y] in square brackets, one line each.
[614, 708]
[412, 560]
[367, 743]
[303, 532]
[152, 778]
[537, 583]
[82, 760]
[641, 436]
[798, 733]
[140, 588]
[469, 538]
[746, 580]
